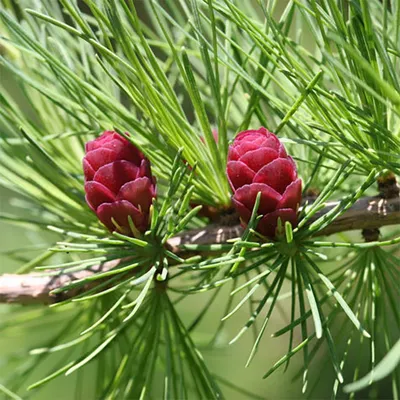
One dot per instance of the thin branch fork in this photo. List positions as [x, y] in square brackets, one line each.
[34, 288]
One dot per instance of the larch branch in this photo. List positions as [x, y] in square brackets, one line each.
[34, 288]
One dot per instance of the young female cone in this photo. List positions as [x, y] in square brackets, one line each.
[258, 162]
[118, 183]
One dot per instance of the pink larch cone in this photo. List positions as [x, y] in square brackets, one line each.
[258, 162]
[118, 183]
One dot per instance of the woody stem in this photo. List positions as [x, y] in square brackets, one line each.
[34, 288]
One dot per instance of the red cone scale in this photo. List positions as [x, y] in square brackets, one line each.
[118, 183]
[258, 162]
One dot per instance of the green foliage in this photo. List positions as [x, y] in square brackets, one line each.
[323, 75]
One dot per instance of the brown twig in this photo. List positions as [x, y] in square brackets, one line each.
[36, 288]
[366, 213]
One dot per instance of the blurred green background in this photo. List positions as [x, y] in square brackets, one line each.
[226, 361]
